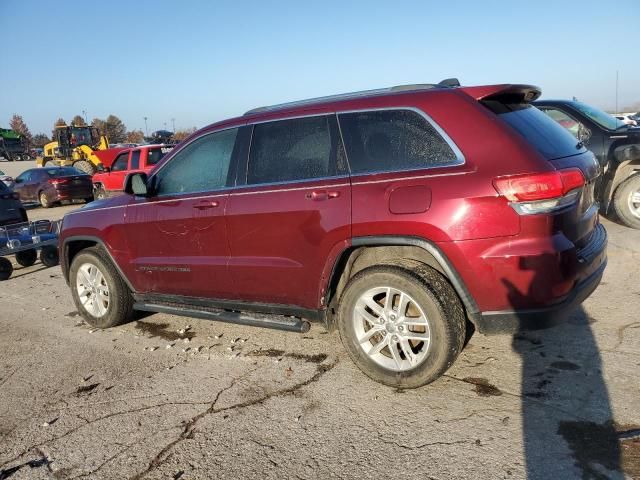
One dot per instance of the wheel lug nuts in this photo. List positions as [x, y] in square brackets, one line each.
[401, 328]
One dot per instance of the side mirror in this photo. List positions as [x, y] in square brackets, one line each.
[136, 184]
[17, 180]
[101, 168]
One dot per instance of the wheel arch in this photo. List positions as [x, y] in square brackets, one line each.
[628, 157]
[72, 246]
[376, 250]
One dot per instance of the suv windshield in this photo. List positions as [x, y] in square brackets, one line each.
[601, 118]
[544, 133]
[81, 136]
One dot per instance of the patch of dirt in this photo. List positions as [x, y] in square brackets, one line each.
[161, 330]
[275, 353]
[483, 387]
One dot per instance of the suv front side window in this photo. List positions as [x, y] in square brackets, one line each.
[291, 150]
[389, 140]
[120, 164]
[201, 166]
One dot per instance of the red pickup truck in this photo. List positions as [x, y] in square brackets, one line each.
[110, 180]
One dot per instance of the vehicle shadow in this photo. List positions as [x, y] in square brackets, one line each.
[567, 420]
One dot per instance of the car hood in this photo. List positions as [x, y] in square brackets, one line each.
[118, 201]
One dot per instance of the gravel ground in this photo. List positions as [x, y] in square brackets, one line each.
[170, 397]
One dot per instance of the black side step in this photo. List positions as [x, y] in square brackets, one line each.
[278, 322]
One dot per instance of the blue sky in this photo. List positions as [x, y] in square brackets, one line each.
[202, 61]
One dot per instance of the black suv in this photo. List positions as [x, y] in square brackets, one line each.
[617, 147]
[11, 209]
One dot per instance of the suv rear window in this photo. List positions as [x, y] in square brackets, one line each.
[388, 140]
[544, 133]
[154, 155]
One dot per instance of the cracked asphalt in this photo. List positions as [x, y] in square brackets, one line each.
[180, 398]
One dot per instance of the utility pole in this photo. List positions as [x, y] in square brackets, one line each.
[146, 130]
[173, 122]
[617, 92]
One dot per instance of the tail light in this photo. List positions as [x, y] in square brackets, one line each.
[10, 196]
[59, 181]
[541, 192]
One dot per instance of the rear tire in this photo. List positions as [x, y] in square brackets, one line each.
[85, 167]
[26, 258]
[49, 256]
[430, 295]
[626, 201]
[107, 301]
[44, 201]
[100, 193]
[6, 269]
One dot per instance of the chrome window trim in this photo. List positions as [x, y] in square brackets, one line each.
[293, 189]
[461, 160]
[292, 182]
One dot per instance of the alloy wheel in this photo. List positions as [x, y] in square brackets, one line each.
[392, 328]
[93, 290]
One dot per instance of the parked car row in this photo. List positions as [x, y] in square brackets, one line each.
[378, 213]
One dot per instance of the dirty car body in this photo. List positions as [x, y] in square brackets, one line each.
[377, 212]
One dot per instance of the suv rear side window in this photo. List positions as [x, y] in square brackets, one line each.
[544, 133]
[201, 166]
[289, 150]
[388, 140]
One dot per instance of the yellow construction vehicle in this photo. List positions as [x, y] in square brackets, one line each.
[74, 145]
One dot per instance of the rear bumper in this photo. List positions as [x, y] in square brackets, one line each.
[594, 260]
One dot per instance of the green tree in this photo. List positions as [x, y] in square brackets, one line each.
[17, 125]
[116, 129]
[78, 121]
[40, 140]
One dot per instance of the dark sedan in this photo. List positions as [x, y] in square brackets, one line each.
[51, 185]
[11, 210]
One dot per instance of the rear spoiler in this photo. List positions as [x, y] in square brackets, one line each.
[505, 93]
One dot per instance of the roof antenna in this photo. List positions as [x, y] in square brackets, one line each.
[450, 82]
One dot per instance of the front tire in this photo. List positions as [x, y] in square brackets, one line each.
[100, 294]
[403, 325]
[85, 166]
[626, 201]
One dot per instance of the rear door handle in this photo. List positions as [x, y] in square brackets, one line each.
[319, 195]
[206, 205]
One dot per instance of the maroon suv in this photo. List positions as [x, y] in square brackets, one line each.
[396, 215]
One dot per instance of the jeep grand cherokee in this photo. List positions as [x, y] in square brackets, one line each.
[379, 212]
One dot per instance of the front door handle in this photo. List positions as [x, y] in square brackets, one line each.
[206, 205]
[319, 195]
